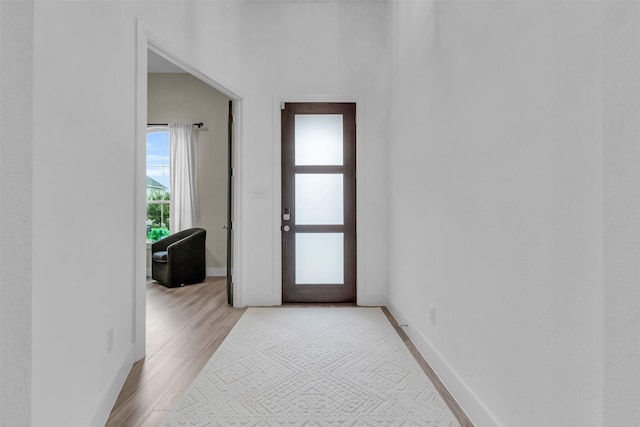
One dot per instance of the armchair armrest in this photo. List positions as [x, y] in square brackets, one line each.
[188, 249]
[164, 243]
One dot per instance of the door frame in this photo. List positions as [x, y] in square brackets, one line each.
[278, 102]
[147, 40]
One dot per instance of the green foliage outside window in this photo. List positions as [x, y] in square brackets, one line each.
[157, 215]
[156, 234]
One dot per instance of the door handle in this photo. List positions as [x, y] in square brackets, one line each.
[286, 228]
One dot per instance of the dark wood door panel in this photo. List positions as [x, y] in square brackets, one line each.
[318, 292]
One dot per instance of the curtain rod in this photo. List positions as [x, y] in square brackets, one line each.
[167, 124]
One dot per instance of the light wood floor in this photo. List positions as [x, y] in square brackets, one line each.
[185, 326]
[446, 396]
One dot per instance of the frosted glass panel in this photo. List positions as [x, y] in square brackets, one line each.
[319, 199]
[318, 139]
[319, 258]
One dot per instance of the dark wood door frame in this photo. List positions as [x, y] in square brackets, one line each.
[345, 292]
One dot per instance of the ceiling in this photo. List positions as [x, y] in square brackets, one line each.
[157, 64]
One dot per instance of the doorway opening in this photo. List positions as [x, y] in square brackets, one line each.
[181, 97]
[215, 137]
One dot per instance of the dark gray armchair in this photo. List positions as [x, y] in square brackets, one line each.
[178, 259]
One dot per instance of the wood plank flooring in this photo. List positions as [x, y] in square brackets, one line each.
[185, 326]
[446, 396]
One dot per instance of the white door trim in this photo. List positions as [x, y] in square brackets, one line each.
[361, 285]
[147, 40]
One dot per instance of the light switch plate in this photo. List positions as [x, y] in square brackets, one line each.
[260, 193]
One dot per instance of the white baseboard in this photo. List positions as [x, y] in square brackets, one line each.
[217, 271]
[211, 271]
[104, 410]
[371, 300]
[471, 404]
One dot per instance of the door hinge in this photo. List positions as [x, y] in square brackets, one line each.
[282, 105]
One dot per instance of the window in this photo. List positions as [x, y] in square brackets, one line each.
[158, 183]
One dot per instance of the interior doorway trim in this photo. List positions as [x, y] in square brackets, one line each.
[147, 40]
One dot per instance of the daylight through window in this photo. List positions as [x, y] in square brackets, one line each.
[158, 184]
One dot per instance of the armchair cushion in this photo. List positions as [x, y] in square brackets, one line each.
[160, 256]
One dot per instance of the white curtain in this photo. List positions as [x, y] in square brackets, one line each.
[182, 207]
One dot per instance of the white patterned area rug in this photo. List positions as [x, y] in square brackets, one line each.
[312, 367]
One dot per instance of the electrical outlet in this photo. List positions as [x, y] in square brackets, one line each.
[432, 314]
[109, 340]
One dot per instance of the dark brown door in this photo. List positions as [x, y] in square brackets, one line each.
[318, 202]
[229, 224]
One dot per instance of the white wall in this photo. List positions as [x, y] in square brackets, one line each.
[16, 156]
[181, 97]
[83, 259]
[496, 173]
[497, 140]
[621, 133]
[314, 51]
[84, 115]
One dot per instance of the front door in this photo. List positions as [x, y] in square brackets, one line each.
[318, 202]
